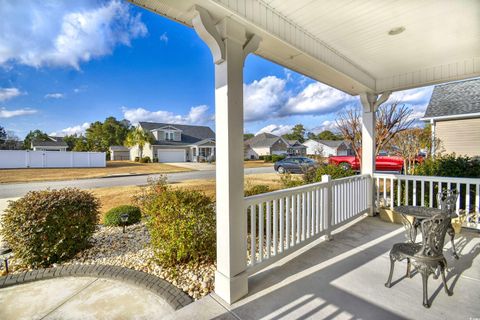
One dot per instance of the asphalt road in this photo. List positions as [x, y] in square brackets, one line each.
[12, 190]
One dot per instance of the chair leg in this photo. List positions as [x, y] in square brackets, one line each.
[389, 281]
[409, 274]
[443, 266]
[426, 304]
[451, 233]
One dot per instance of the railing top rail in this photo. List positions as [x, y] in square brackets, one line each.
[295, 190]
[427, 178]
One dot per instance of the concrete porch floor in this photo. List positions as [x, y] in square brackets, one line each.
[344, 279]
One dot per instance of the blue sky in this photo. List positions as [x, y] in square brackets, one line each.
[79, 62]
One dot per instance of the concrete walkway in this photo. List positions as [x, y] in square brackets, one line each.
[81, 298]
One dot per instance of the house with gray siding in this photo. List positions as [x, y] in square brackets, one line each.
[177, 143]
[265, 144]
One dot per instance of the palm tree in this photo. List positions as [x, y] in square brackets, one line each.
[138, 137]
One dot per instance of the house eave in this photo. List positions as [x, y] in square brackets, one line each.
[452, 117]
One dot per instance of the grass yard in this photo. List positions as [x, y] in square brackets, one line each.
[113, 168]
[115, 196]
[257, 164]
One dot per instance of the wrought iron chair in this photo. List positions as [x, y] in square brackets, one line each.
[427, 256]
[447, 200]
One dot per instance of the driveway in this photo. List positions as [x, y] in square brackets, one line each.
[201, 166]
[11, 190]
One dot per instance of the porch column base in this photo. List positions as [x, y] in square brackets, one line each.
[231, 289]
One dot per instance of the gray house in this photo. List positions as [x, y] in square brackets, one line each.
[177, 142]
[52, 144]
[264, 144]
[454, 114]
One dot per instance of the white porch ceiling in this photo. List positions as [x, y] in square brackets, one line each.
[346, 44]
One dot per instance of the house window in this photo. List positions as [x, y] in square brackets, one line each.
[169, 135]
[194, 152]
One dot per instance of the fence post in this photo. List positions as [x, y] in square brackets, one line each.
[328, 212]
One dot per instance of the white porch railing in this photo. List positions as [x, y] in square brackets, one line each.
[394, 190]
[283, 221]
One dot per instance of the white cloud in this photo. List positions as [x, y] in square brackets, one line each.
[54, 96]
[329, 125]
[268, 98]
[278, 130]
[78, 130]
[196, 115]
[4, 113]
[8, 93]
[64, 33]
[164, 37]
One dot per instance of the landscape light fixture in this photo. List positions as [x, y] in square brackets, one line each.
[124, 219]
[5, 252]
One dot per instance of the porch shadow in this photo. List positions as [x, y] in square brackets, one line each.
[344, 278]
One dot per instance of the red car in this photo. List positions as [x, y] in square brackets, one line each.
[382, 163]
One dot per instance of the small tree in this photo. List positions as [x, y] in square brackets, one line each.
[298, 133]
[390, 120]
[138, 137]
[37, 135]
[407, 144]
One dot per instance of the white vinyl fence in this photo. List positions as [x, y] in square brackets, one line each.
[283, 221]
[10, 159]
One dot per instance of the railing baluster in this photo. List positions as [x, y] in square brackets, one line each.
[399, 192]
[384, 191]
[378, 192]
[457, 205]
[477, 203]
[414, 192]
[287, 222]
[294, 218]
[439, 191]
[317, 210]
[268, 246]
[253, 234]
[260, 232]
[467, 198]
[281, 214]
[406, 192]
[309, 207]
[304, 207]
[299, 218]
[431, 197]
[422, 193]
[275, 227]
[392, 194]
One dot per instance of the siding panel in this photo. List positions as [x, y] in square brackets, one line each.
[460, 136]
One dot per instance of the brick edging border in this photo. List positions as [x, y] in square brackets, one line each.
[175, 297]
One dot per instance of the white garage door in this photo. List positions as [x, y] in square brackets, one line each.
[171, 155]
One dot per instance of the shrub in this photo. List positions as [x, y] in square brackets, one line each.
[181, 223]
[336, 172]
[112, 217]
[267, 158]
[289, 181]
[261, 157]
[256, 189]
[46, 227]
[155, 159]
[145, 160]
[137, 159]
[449, 166]
[277, 157]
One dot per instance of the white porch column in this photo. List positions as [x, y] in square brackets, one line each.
[229, 46]
[370, 103]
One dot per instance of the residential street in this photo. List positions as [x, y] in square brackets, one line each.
[12, 190]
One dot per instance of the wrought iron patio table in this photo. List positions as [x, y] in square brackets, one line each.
[419, 214]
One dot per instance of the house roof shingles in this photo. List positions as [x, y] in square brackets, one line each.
[262, 140]
[190, 134]
[452, 99]
[53, 142]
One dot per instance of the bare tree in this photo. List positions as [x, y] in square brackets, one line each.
[390, 120]
[407, 144]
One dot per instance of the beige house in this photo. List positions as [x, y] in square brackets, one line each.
[454, 114]
[265, 144]
[177, 143]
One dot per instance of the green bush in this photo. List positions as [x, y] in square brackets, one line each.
[267, 158]
[276, 157]
[181, 223]
[45, 227]
[289, 181]
[145, 160]
[336, 172]
[112, 217]
[261, 157]
[256, 189]
[137, 159]
[449, 166]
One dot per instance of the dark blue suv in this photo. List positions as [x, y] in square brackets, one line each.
[295, 165]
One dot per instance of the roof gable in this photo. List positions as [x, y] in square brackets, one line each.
[454, 99]
[263, 139]
[190, 133]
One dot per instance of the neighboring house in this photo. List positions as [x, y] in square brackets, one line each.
[119, 153]
[265, 144]
[177, 143]
[53, 144]
[295, 148]
[326, 148]
[454, 114]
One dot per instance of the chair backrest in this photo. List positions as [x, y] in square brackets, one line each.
[434, 230]
[448, 200]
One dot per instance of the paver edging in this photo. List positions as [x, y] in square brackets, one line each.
[175, 297]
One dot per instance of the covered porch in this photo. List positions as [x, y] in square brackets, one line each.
[363, 50]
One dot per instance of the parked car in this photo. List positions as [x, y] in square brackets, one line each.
[382, 163]
[295, 165]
